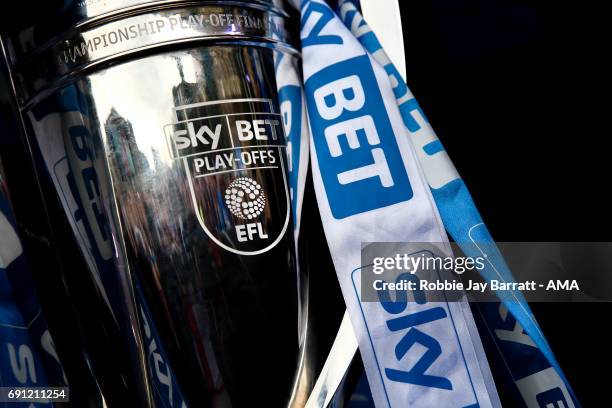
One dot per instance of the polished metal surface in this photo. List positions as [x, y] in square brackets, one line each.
[49, 21]
[222, 289]
[176, 161]
[85, 47]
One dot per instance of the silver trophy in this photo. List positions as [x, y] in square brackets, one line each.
[159, 125]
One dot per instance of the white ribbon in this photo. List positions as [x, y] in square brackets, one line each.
[370, 188]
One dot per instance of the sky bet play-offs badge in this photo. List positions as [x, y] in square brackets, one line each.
[232, 154]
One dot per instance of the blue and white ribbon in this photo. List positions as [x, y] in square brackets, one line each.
[370, 188]
[517, 334]
[293, 112]
[27, 353]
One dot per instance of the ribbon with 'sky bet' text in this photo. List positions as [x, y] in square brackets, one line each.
[529, 364]
[370, 188]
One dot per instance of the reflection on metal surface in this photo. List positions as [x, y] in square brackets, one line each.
[337, 364]
[167, 149]
[85, 47]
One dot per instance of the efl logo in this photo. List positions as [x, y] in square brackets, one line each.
[231, 152]
[360, 162]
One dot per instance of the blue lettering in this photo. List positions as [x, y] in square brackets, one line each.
[77, 137]
[552, 399]
[325, 16]
[361, 165]
[416, 375]
[291, 110]
[406, 108]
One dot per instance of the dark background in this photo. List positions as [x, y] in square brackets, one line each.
[517, 93]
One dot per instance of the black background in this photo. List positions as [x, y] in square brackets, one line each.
[516, 92]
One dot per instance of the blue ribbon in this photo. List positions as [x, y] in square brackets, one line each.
[465, 225]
